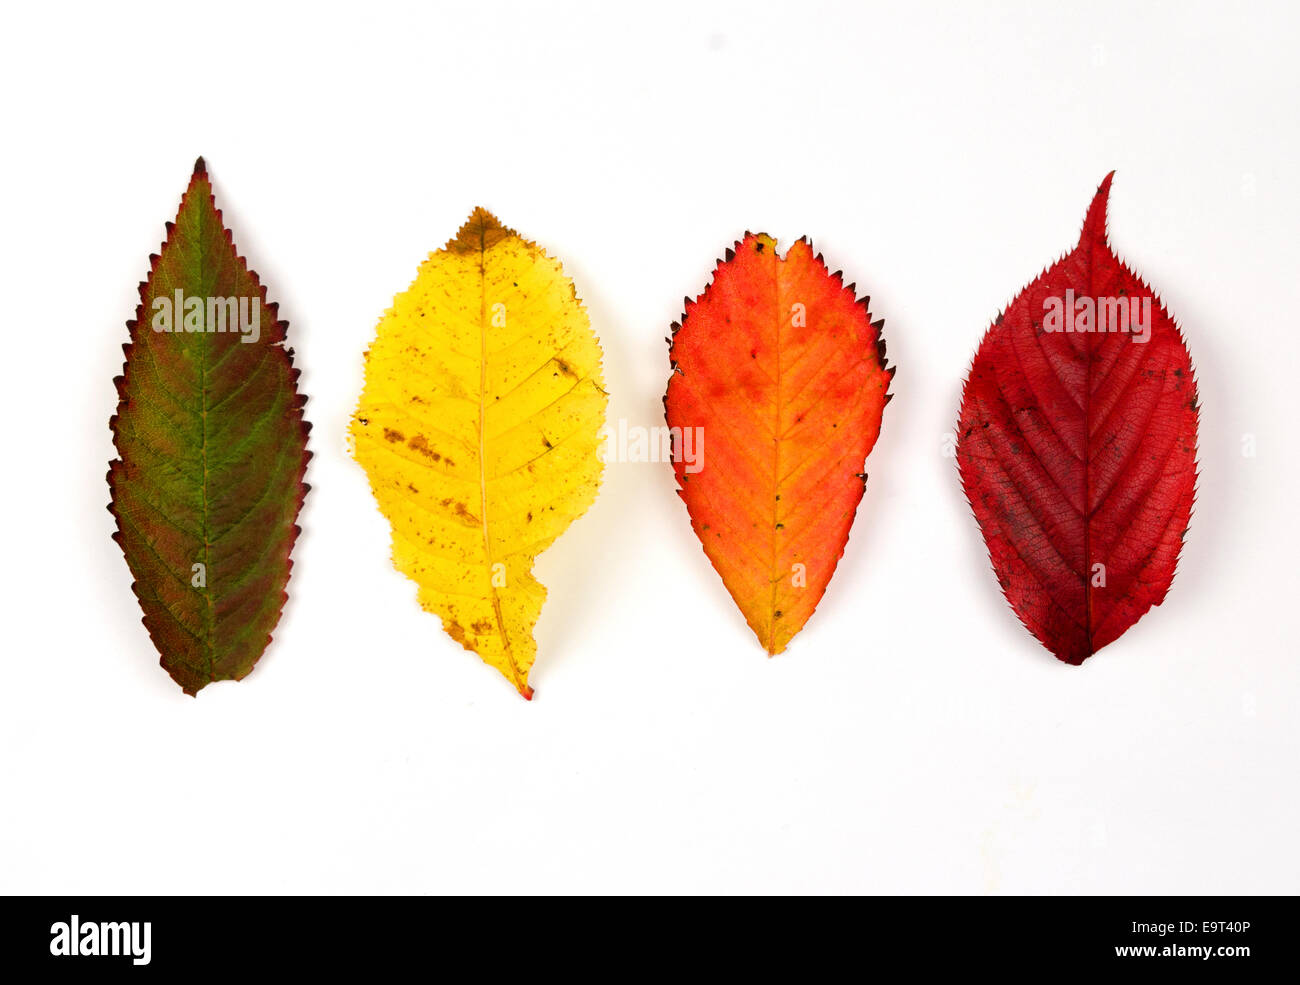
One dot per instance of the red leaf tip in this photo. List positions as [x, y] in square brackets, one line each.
[200, 168]
[1094, 223]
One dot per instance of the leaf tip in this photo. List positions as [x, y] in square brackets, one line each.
[481, 230]
[1094, 223]
[200, 167]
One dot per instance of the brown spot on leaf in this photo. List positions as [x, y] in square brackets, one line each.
[457, 633]
[420, 443]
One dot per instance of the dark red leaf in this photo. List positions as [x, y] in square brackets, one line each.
[1077, 447]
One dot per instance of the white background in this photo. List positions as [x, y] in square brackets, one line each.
[914, 738]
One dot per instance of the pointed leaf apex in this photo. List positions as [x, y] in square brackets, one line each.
[1094, 223]
[481, 231]
[200, 168]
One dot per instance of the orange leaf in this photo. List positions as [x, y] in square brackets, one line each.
[775, 401]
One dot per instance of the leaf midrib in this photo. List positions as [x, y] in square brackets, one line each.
[777, 404]
[1087, 462]
[517, 678]
[209, 611]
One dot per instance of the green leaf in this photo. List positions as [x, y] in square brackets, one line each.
[212, 450]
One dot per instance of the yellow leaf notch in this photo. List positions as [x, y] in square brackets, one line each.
[479, 427]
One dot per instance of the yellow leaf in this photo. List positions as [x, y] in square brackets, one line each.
[479, 426]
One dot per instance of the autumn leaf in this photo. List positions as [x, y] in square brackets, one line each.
[1077, 447]
[479, 429]
[212, 450]
[775, 401]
